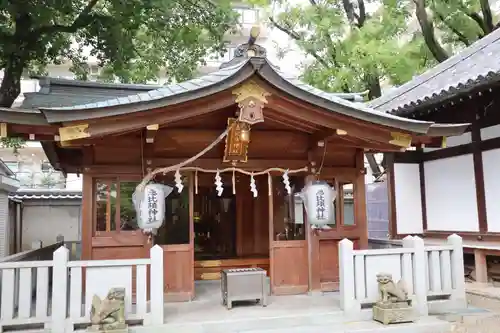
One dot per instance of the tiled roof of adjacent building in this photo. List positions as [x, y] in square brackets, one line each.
[56, 92]
[473, 67]
[46, 194]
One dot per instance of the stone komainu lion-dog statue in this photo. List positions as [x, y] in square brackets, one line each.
[393, 305]
[108, 314]
[390, 292]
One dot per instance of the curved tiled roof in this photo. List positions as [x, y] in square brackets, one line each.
[473, 67]
[46, 194]
[227, 78]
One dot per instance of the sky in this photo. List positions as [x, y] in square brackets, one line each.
[294, 57]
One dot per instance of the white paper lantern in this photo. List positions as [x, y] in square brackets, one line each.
[150, 206]
[318, 200]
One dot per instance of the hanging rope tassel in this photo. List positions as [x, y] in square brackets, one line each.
[151, 174]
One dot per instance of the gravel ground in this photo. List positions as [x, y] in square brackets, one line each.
[482, 322]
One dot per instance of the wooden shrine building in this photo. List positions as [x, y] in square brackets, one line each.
[464, 88]
[454, 188]
[274, 123]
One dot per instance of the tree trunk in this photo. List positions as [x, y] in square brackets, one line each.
[373, 86]
[428, 31]
[374, 91]
[11, 83]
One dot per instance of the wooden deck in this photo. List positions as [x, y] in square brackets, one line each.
[211, 269]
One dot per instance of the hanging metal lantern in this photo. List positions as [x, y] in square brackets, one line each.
[150, 206]
[318, 199]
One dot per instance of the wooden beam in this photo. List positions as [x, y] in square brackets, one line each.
[214, 163]
[176, 138]
[312, 115]
[290, 122]
[33, 129]
[134, 121]
[151, 131]
[331, 137]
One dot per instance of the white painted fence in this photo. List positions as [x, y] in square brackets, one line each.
[67, 302]
[435, 272]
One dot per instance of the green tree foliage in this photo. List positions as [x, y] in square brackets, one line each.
[356, 49]
[14, 143]
[134, 40]
[449, 25]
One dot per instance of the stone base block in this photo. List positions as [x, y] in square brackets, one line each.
[393, 315]
[108, 329]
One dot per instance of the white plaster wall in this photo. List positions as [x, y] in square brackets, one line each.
[408, 198]
[454, 141]
[46, 222]
[74, 182]
[490, 132]
[491, 163]
[450, 194]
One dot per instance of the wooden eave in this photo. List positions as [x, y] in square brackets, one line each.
[226, 79]
[291, 103]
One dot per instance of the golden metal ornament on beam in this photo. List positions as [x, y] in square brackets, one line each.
[69, 133]
[251, 99]
[443, 142]
[400, 139]
[3, 130]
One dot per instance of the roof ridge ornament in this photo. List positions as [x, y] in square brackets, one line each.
[247, 50]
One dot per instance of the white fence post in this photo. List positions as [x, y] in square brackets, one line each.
[407, 263]
[348, 301]
[59, 290]
[419, 279]
[156, 288]
[458, 295]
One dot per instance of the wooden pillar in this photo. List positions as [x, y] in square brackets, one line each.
[481, 267]
[87, 222]
[191, 229]
[360, 200]
[271, 232]
[477, 156]
[312, 244]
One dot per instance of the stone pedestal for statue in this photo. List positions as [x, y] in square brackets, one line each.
[393, 313]
[108, 315]
[393, 306]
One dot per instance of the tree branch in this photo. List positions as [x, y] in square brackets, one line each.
[428, 31]
[487, 16]
[83, 19]
[294, 35]
[476, 18]
[461, 37]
